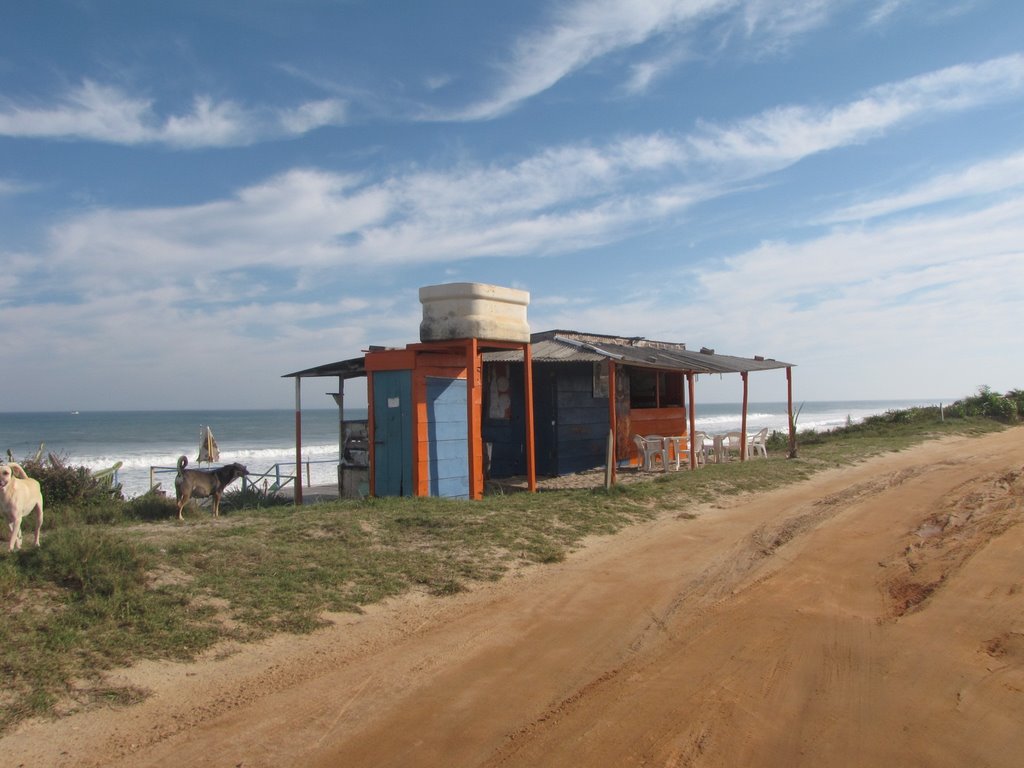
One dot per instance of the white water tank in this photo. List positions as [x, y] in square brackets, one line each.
[474, 310]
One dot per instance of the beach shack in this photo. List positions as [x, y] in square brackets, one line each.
[481, 397]
[574, 374]
[424, 435]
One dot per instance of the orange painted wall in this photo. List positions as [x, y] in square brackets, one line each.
[656, 421]
[446, 364]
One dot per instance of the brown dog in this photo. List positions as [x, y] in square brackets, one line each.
[204, 482]
[19, 497]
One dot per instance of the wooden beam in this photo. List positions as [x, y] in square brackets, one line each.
[612, 422]
[476, 470]
[789, 408]
[693, 423]
[531, 453]
[341, 431]
[298, 441]
[743, 428]
[371, 431]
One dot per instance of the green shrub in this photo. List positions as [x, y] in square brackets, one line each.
[63, 484]
[990, 405]
[1017, 397]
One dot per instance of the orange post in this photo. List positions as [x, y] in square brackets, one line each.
[743, 421]
[370, 432]
[693, 423]
[474, 402]
[613, 425]
[789, 407]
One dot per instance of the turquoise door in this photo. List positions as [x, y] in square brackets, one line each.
[448, 438]
[392, 435]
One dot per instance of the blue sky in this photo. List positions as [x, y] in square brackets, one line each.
[198, 197]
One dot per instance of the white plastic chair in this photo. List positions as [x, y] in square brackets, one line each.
[733, 442]
[757, 444]
[680, 449]
[700, 447]
[650, 448]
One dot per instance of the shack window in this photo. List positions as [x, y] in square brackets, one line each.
[670, 390]
[643, 388]
[601, 379]
[655, 389]
[498, 392]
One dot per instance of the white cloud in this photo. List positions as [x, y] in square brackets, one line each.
[97, 112]
[578, 34]
[988, 177]
[776, 22]
[885, 10]
[850, 293]
[584, 31]
[10, 187]
[645, 73]
[887, 307]
[232, 354]
[781, 136]
[312, 115]
[875, 312]
[558, 200]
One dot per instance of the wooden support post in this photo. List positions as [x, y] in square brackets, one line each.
[298, 441]
[612, 422]
[341, 431]
[474, 401]
[371, 431]
[789, 407]
[743, 428]
[693, 423]
[531, 453]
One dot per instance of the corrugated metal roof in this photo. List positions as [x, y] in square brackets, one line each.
[347, 369]
[546, 351]
[573, 346]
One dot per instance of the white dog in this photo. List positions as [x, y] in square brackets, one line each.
[19, 497]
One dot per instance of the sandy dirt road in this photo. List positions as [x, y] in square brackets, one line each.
[870, 616]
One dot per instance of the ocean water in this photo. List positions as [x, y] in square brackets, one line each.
[150, 442]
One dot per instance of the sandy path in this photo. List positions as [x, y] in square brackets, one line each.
[869, 616]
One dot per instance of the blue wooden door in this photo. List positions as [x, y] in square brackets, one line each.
[392, 436]
[448, 438]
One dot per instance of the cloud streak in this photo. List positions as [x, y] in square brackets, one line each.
[96, 112]
[556, 201]
[984, 178]
[782, 136]
[584, 31]
[241, 268]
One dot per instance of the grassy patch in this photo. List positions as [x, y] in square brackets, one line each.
[119, 582]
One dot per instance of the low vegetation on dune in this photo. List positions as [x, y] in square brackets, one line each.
[118, 581]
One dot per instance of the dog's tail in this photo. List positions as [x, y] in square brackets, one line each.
[182, 463]
[17, 470]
